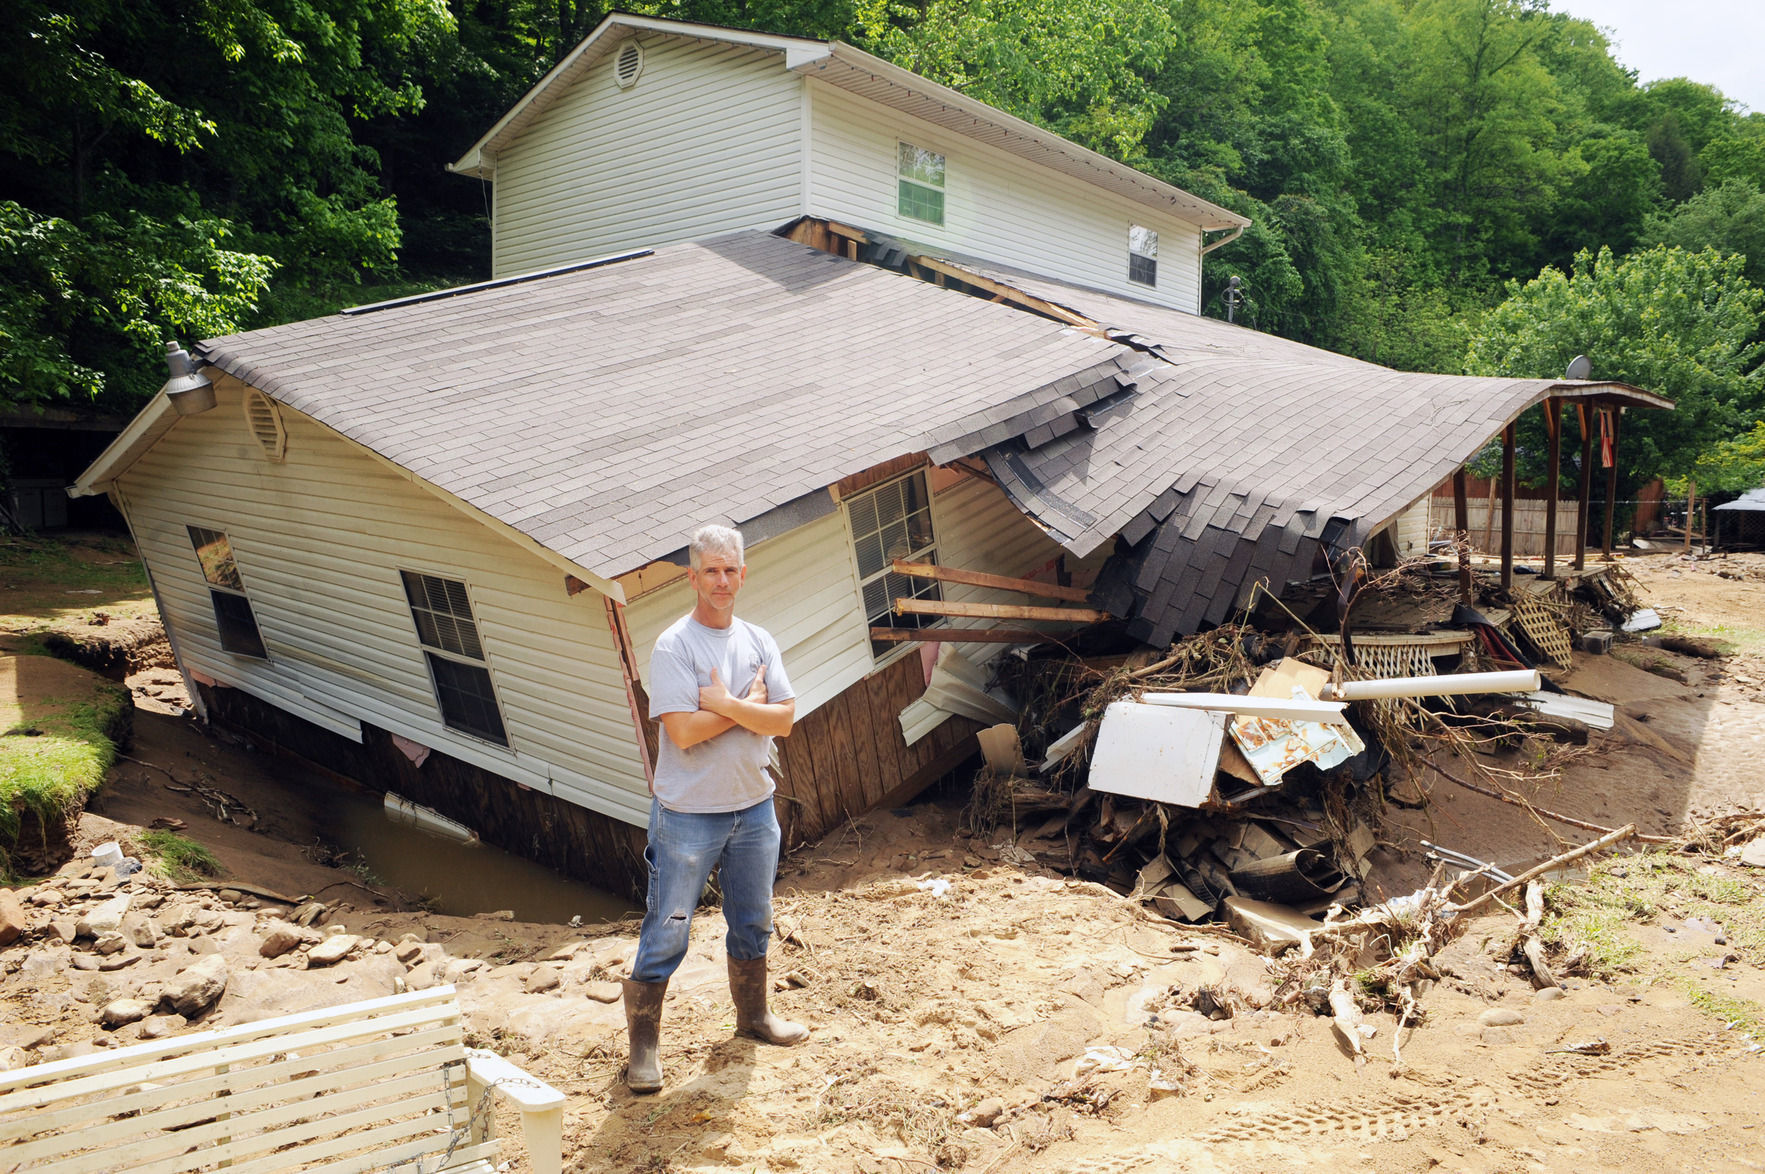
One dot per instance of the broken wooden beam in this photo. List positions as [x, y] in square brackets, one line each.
[983, 579]
[997, 611]
[958, 635]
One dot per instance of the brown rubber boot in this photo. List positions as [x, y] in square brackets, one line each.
[747, 986]
[643, 1023]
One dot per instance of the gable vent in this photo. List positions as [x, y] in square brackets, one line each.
[265, 421]
[628, 64]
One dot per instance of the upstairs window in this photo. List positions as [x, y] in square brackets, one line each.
[1142, 255]
[920, 174]
[893, 521]
[443, 614]
[226, 591]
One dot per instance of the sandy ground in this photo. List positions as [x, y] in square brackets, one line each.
[975, 1011]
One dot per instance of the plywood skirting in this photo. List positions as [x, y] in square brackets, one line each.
[848, 756]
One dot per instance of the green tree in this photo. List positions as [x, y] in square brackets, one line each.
[1734, 466]
[1075, 66]
[165, 158]
[1679, 323]
[1729, 219]
[1486, 110]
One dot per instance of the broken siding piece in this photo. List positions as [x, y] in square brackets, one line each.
[1588, 712]
[1162, 754]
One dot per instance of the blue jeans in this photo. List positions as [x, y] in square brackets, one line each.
[683, 847]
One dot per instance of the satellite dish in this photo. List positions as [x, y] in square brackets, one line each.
[1580, 367]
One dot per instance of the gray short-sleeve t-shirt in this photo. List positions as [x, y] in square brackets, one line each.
[728, 772]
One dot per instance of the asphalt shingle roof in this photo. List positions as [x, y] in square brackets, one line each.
[605, 412]
[1237, 453]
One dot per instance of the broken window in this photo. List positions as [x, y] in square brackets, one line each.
[893, 521]
[1142, 255]
[921, 182]
[234, 620]
[442, 612]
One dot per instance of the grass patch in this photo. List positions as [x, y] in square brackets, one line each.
[1740, 1014]
[1728, 638]
[1595, 917]
[54, 756]
[47, 582]
[179, 858]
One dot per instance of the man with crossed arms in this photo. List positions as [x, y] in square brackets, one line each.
[718, 686]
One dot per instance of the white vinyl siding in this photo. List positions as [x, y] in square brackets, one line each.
[801, 588]
[708, 140]
[321, 539]
[980, 530]
[996, 206]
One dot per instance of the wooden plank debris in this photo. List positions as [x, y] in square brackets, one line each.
[958, 635]
[982, 579]
[997, 611]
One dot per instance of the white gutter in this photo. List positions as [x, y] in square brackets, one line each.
[153, 422]
[1224, 240]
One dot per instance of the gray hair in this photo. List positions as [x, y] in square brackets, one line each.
[715, 540]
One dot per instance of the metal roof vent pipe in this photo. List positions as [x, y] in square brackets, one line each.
[189, 391]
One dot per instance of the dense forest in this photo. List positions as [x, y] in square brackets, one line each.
[1452, 185]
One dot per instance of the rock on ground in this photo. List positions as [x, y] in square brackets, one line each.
[196, 988]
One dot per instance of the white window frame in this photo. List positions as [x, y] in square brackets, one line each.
[903, 181]
[218, 589]
[433, 652]
[886, 655]
[1141, 251]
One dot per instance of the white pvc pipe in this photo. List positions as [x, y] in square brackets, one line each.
[1516, 681]
[1296, 710]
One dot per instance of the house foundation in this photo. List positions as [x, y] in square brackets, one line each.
[570, 840]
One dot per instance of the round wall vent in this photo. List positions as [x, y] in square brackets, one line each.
[628, 64]
[265, 421]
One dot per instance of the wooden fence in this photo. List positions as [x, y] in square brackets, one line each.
[1485, 518]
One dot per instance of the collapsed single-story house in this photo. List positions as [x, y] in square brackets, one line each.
[429, 543]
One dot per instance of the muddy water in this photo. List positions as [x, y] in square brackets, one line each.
[455, 878]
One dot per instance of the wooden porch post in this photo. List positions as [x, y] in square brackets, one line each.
[1553, 427]
[1461, 520]
[1612, 479]
[1584, 488]
[1507, 508]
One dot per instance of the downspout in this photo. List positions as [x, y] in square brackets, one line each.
[628, 671]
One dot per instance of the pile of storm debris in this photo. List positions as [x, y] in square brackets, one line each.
[1244, 775]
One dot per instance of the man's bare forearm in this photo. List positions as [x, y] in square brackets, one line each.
[689, 729]
[773, 718]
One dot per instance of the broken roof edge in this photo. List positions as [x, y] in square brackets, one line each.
[990, 427]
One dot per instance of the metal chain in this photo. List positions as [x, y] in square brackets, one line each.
[477, 1117]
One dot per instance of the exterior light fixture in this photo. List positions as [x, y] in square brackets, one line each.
[188, 391]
